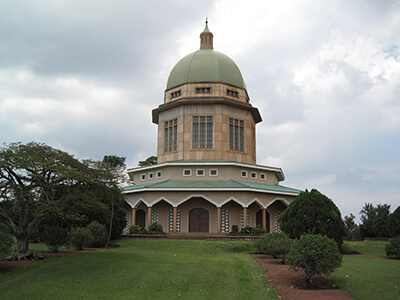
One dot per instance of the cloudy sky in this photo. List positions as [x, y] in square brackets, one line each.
[83, 76]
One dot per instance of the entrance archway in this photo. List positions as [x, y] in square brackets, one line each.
[259, 220]
[141, 218]
[199, 220]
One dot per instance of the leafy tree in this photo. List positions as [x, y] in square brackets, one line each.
[54, 236]
[312, 212]
[314, 254]
[99, 234]
[114, 161]
[38, 182]
[352, 229]
[374, 220]
[80, 237]
[393, 223]
[152, 160]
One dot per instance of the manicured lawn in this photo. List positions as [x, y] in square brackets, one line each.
[145, 269]
[369, 277]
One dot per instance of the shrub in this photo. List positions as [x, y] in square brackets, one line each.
[53, 236]
[252, 230]
[136, 229]
[314, 254]
[80, 237]
[99, 234]
[155, 227]
[235, 229]
[393, 248]
[6, 241]
[274, 244]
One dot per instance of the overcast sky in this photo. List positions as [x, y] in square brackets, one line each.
[83, 76]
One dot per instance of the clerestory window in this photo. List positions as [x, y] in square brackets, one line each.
[171, 135]
[202, 132]
[236, 135]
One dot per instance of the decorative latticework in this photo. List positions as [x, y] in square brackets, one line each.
[128, 223]
[225, 220]
[277, 226]
[154, 215]
[171, 221]
[242, 221]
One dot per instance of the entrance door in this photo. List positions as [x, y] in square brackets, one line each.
[259, 219]
[141, 218]
[198, 220]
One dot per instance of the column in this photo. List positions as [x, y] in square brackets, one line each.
[175, 219]
[149, 216]
[264, 219]
[218, 219]
[244, 216]
[133, 219]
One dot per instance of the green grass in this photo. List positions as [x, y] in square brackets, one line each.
[368, 277]
[145, 269]
[367, 248]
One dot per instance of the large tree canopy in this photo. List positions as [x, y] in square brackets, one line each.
[39, 183]
[313, 212]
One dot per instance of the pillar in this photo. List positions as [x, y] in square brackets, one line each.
[264, 219]
[133, 220]
[244, 216]
[149, 216]
[175, 219]
[218, 219]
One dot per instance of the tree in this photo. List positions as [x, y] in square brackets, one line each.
[152, 160]
[314, 254]
[393, 223]
[39, 182]
[374, 220]
[274, 243]
[312, 212]
[352, 229]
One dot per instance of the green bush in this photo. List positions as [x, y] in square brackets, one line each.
[235, 229]
[6, 241]
[252, 230]
[274, 244]
[134, 229]
[393, 248]
[155, 228]
[99, 234]
[53, 236]
[314, 254]
[80, 237]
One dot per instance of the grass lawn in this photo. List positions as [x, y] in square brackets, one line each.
[369, 277]
[145, 269]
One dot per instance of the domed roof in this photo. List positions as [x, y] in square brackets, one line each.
[206, 66]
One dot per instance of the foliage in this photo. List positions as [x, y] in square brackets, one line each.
[99, 234]
[114, 161]
[393, 248]
[252, 230]
[155, 227]
[312, 212]
[314, 254]
[38, 182]
[54, 236]
[274, 244]
[393, 223]
[135, 229]
[351, 228]
[374, 220]
[80, 238]
[152, 160]
[235, 229]
[6, 241]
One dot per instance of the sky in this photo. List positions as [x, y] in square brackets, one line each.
[83, 76]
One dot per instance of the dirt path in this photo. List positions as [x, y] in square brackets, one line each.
[290, 284]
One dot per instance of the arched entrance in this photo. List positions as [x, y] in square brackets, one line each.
[199, 220]
[141, 218]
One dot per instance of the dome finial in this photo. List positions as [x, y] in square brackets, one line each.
[206, 38]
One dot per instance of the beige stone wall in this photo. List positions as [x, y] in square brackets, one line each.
[221, 114]
[217, 90]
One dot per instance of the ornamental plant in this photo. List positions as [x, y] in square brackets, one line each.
[80, 237]
[274, 244]
[393, 248]
[99, 234]
[314, 254]
[155, 227]
[54, 236]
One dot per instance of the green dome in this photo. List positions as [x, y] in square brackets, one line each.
[206, 66]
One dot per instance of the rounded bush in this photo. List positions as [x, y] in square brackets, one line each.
[6, 241]
[80, 237]
[274, 244]
[314, 254]
[54, 236]
[393, 248]
[155, 228]
[99, 234]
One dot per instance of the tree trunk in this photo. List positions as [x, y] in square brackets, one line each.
[22, 252]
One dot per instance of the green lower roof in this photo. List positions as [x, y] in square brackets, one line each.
[210, 184]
